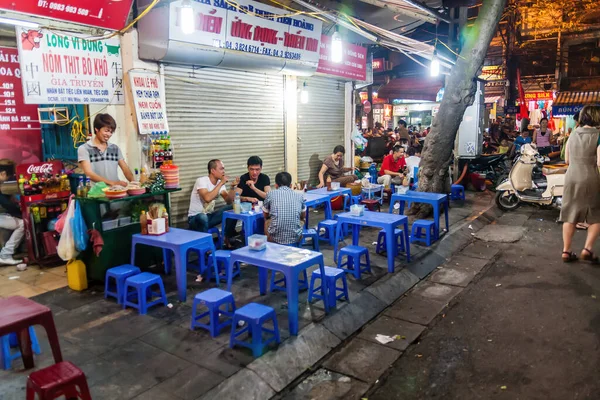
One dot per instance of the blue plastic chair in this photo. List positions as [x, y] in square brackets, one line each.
[457, 192]
[353, 265]
[213, 299]
[222, 257]
[330, 226]
[118, 275]
[203, 251]
[328, 286]
[254, 315]
[10, 340]
[429, 234]
[313, 236]
[142, 287]
[381, 244]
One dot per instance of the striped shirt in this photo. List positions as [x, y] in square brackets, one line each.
[285, 207]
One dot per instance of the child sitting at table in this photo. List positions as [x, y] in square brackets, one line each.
[284, 212]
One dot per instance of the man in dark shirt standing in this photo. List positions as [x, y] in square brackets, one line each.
[254, 185]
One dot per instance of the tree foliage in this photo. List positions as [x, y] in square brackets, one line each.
[544, 18]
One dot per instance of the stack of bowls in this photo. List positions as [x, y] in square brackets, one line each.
[171, 175]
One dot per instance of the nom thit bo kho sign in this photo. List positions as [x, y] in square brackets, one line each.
[149, 102]
[60, 68]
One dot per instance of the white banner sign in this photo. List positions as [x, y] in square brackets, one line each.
[253, 28]
[60, 68]
[149, 102]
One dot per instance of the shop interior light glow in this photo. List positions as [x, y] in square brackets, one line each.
[186, 17]
[336, 47]
[435, 65]
[25, 24]
[304, 94]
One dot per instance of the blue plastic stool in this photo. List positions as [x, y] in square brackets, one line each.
[313, 236]
[417, 234]
[223, 257]
[119, 274]
[10, 340]
[216, 231]
[344, 229]
[203, 252]
[398, 235]
[330, 226]
[142, 286]
[254, 315]
[330, 288]
[213, 299]
[457, 192]
[275, 283]
[353, 264]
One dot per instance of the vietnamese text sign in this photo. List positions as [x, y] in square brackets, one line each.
[20, 132]
[69, 69]
[149, 104]
[539, 96]
[253, 28]
[109, 14]
[353, 65]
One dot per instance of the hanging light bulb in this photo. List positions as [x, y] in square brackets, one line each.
[304, 94]
[435, 65]
[336, 47]
[187, 17]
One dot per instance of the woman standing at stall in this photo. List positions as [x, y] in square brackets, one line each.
[543, 138]
[581, 198]
[333, 167]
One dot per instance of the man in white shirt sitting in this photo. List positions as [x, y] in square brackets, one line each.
[202, 214]
[413, 160]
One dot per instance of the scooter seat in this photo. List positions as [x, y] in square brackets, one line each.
[554, 171]
[487, 160]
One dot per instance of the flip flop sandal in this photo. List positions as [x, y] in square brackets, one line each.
[570, 257]
[590, 257]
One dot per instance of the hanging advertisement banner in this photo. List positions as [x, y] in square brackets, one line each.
[108, 14]
[148, 98]
[353, 65]
[69, 69]
[20, 132]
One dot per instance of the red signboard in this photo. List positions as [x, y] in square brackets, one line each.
[108, 14]
[353, 65]
[20, 133]
[366, 106]
[529, 96]
[378, 64]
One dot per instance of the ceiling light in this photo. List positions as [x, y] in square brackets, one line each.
[187, 17]
[25, 24]
[336, 47]
[435, 65]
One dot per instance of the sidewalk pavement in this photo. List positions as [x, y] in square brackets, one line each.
[157, 356]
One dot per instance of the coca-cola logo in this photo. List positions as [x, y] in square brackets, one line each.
[40, 169]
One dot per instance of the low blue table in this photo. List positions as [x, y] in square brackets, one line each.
[332, 193]
[286, 259]
[313, 200]
[436, 200]
[379, 220]
[249, 219]
[179, 241]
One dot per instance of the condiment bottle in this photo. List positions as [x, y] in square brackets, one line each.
[165, 215]
[144, 223]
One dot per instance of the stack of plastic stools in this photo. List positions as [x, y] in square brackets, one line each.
[457, 192]
[254, 315]
[353, 265]
[329, 286]
[213, 299]
[429, 234]
[10, 340]
[313, 236]
[279, 284]
[142, 287]
[216, 231]
[398, 235]
[119, 275]
[223, 257]
[62, 379]
[330, 226]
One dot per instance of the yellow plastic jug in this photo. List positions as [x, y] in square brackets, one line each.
[76, 275]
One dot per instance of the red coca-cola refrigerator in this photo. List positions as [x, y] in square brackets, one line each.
[44, 196]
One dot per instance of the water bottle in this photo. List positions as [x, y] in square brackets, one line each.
[237, 204]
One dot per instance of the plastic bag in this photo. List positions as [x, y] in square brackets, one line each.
[66, 245]
[97, 191]
[80, 235]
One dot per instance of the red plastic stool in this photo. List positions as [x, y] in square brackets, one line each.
[62, 379]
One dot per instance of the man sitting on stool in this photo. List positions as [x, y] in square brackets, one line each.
[390, 168]
[284, 211]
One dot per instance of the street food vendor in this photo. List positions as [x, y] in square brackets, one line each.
[10, 214]
[100, 159]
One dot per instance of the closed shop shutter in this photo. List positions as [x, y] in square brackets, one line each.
[320, 124]
[224, 114]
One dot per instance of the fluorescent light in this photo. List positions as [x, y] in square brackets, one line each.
[25, 24]
[187, 17]
[336, 47]
[435, 65]
[304, 94]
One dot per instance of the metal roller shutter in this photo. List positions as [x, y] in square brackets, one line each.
[224, 114]
[320, 124]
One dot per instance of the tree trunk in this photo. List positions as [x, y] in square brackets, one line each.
[458, 95]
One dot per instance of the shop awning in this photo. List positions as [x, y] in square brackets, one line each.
[569, 103]
[421, 88]
[492, 99]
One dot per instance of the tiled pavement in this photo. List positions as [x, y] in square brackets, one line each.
[157, 356]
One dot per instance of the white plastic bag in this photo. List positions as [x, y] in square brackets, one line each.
[66, 245]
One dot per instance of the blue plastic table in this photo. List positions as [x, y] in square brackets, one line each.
[436, 200]
[332, 193]
[179, 241]
[249, 219]
[379, 220]
[289, 260]
[313, 200]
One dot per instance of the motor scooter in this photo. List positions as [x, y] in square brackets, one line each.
[529, 181]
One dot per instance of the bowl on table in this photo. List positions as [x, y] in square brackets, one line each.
[136, 192]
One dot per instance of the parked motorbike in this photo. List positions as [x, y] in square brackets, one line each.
[493, 168]
[530, 182]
